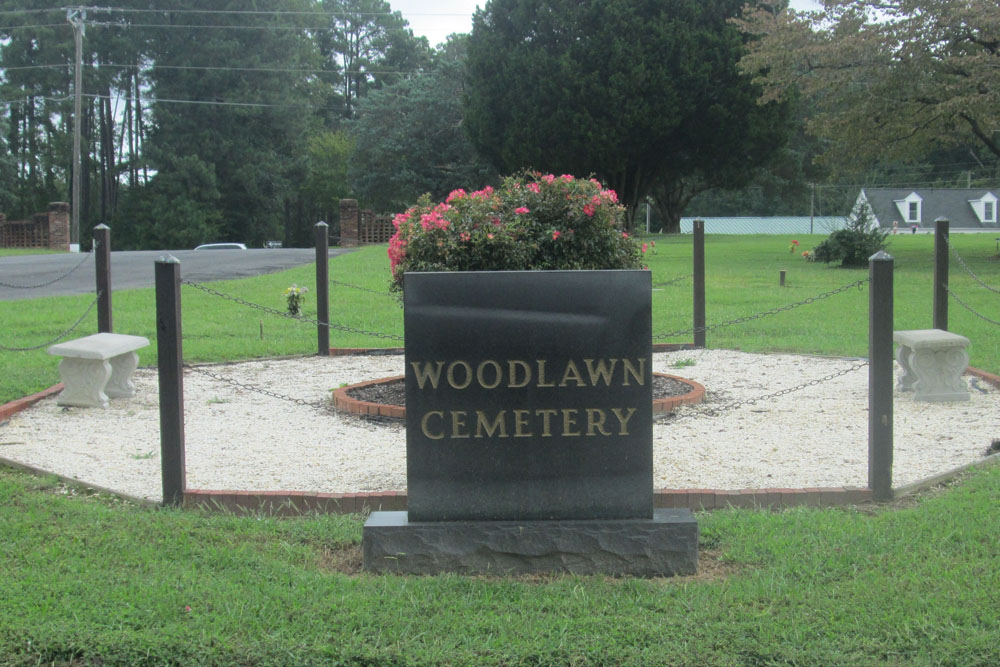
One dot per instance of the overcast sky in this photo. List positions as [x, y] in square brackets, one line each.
[436, 19]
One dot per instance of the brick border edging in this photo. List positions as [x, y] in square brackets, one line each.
[17, 405]
[984, 376]
[343, 401]
[294, 503]
[362, 351]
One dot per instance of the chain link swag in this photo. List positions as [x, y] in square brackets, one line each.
[774, 311]
[970, 308]
[281, 313]
[60, 336]
[54, 280]
[967, 269]
[704, 411]
[326, 405]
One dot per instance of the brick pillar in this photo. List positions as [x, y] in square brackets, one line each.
[59, 225]
[349, 223]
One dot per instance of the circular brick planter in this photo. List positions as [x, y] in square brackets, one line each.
[342, 401]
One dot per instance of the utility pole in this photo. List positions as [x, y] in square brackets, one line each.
[76, 17]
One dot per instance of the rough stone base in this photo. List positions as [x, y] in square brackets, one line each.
[664, 546]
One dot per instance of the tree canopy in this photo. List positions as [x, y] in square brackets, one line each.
[643, 94]
[887, 79]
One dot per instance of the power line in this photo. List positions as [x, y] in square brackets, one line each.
[125, 10]
[220, 103]
[32, 25]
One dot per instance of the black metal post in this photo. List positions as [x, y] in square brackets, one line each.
[323, 288]
[102, 263]
[941, 274]
[699, 282]
[781, 278]
[880, 303]
[170, 361]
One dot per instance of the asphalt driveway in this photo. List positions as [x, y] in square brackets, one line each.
[132, 269]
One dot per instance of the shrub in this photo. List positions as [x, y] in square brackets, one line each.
[531, 222]
[853, 245]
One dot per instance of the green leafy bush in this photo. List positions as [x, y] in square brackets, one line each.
[853, 245]
[531, 222]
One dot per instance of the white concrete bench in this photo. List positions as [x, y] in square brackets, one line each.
[933, 361]
[96, 367]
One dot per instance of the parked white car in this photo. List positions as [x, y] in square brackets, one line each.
[221, 246]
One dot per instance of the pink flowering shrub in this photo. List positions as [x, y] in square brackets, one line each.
[531, 222]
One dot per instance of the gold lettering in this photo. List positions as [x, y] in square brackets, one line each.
[426, 429]
[497, 374]
[458, 422]
[520, 421]
[623, 420]
[602, 372]
[428, 373]
[639, 375]
[541, 374]
[569, 421]
[483, 424]
[451, 374]
[512, 366]
[571, 366]
[546, 425]
[595, 421]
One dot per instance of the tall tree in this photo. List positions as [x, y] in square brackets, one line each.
[643, 94]
[366, 47]
[410, 140]
[887, 79]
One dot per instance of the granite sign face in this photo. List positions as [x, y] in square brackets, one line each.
[529, 430]
[528, 395]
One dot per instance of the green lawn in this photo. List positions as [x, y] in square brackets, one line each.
[92, 580]
[742, 279]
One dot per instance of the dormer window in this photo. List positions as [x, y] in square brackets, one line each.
[910, 207]
[985, 208]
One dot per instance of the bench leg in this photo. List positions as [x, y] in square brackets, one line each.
[120, 384]
[85, 380]
[939, 374]
[908, 378]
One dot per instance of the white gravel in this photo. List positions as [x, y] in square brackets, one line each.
[240, 439]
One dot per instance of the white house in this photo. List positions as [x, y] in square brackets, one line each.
[922, 206]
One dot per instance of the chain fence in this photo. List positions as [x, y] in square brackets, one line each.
[58, 338]
[859, 284]
[707, 411]
[970, 308]
[86, 256]
[397, 297]
[967, 269]
[322, 404]
[672, 281]
[281, 313]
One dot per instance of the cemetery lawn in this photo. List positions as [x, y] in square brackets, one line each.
[90, 580]
[741, 280]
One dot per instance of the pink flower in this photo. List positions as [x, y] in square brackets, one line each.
[489, 236]
[496, 221]
[534, 187]
[556, 234]
[589, 210]
[549, 178]
[455, 194]
[465, 236]
[567, 178]
[645, 247]
[483, 194]
[624, 235]
[187, 608]
[521, 210]
[399, 219]
[610, 195]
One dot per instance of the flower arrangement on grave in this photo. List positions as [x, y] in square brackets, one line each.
[793, 247]
[532, 221]
[808, 255]
[294, 296]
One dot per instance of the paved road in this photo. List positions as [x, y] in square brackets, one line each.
[131, 269]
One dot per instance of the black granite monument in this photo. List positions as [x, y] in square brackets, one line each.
[529, 430]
